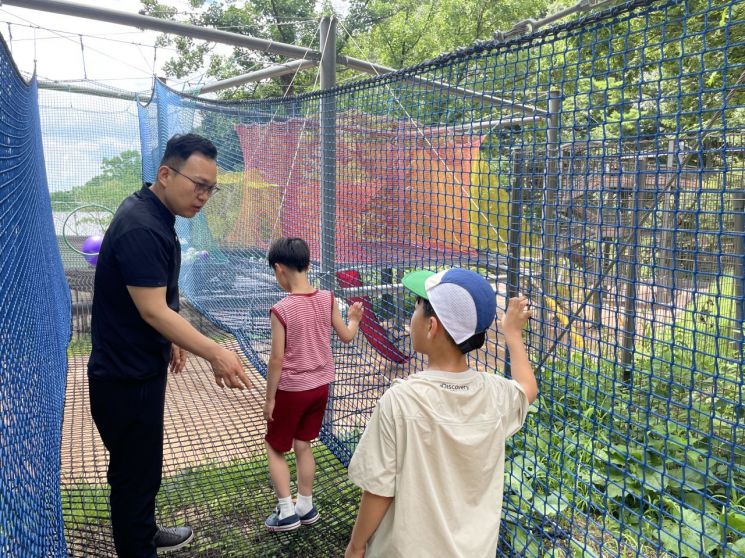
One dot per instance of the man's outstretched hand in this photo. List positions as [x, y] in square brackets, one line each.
[228, 370]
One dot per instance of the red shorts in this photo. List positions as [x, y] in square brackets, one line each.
[297, 415]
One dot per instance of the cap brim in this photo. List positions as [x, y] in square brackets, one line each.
[414, 281]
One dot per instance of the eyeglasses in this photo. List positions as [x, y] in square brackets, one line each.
[199, 187]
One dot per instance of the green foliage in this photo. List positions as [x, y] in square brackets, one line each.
[395, 34]
[79, 345]
[490, 205]
[700, 341]
[404, 33]
[615, 76]
[610, 79]
[120, 176]
[651, 458]
[285, 21]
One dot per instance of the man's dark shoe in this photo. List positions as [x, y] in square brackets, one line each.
[172, 538]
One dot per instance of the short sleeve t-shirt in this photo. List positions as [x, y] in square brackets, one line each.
[140, 249]
[435, 443]
[308, 362]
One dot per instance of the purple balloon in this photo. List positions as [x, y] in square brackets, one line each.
[91, 248]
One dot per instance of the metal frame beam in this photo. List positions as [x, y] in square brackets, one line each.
[258, 75]
[82, 89]
[244, 41]
[166, 26]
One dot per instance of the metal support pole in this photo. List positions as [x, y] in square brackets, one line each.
[667, 261]
[328, 154]
[603, 249]
[738, 208]
[514, 237]
[550, 192]
[515, 220]
[597, 304]
[258, 75]
[386, 278]
[629, 312]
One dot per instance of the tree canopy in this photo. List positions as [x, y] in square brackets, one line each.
[613, 84]
[120, 176]
[395, 34]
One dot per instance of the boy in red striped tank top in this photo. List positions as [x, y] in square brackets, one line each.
[301, 367]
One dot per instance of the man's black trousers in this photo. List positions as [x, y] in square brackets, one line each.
[129, 418]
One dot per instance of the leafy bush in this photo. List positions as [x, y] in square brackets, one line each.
[655, 462]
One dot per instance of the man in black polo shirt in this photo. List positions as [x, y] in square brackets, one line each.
[137, 331]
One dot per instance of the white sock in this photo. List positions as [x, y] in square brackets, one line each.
[285, 507]
[304, 504]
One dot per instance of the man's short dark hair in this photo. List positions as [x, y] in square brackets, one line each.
[182, 146]
[476, 341]
[292, 252]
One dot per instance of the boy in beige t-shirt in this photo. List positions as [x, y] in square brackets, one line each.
[431, 460]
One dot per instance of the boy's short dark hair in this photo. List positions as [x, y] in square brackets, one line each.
[292, 252]
[474, 342]
[182, 146]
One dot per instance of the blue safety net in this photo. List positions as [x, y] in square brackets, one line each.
[34, 331]
[598, 167]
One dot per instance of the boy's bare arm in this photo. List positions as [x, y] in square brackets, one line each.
[274, 371]
[347, 332]
[513, 322]
[372, 510]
